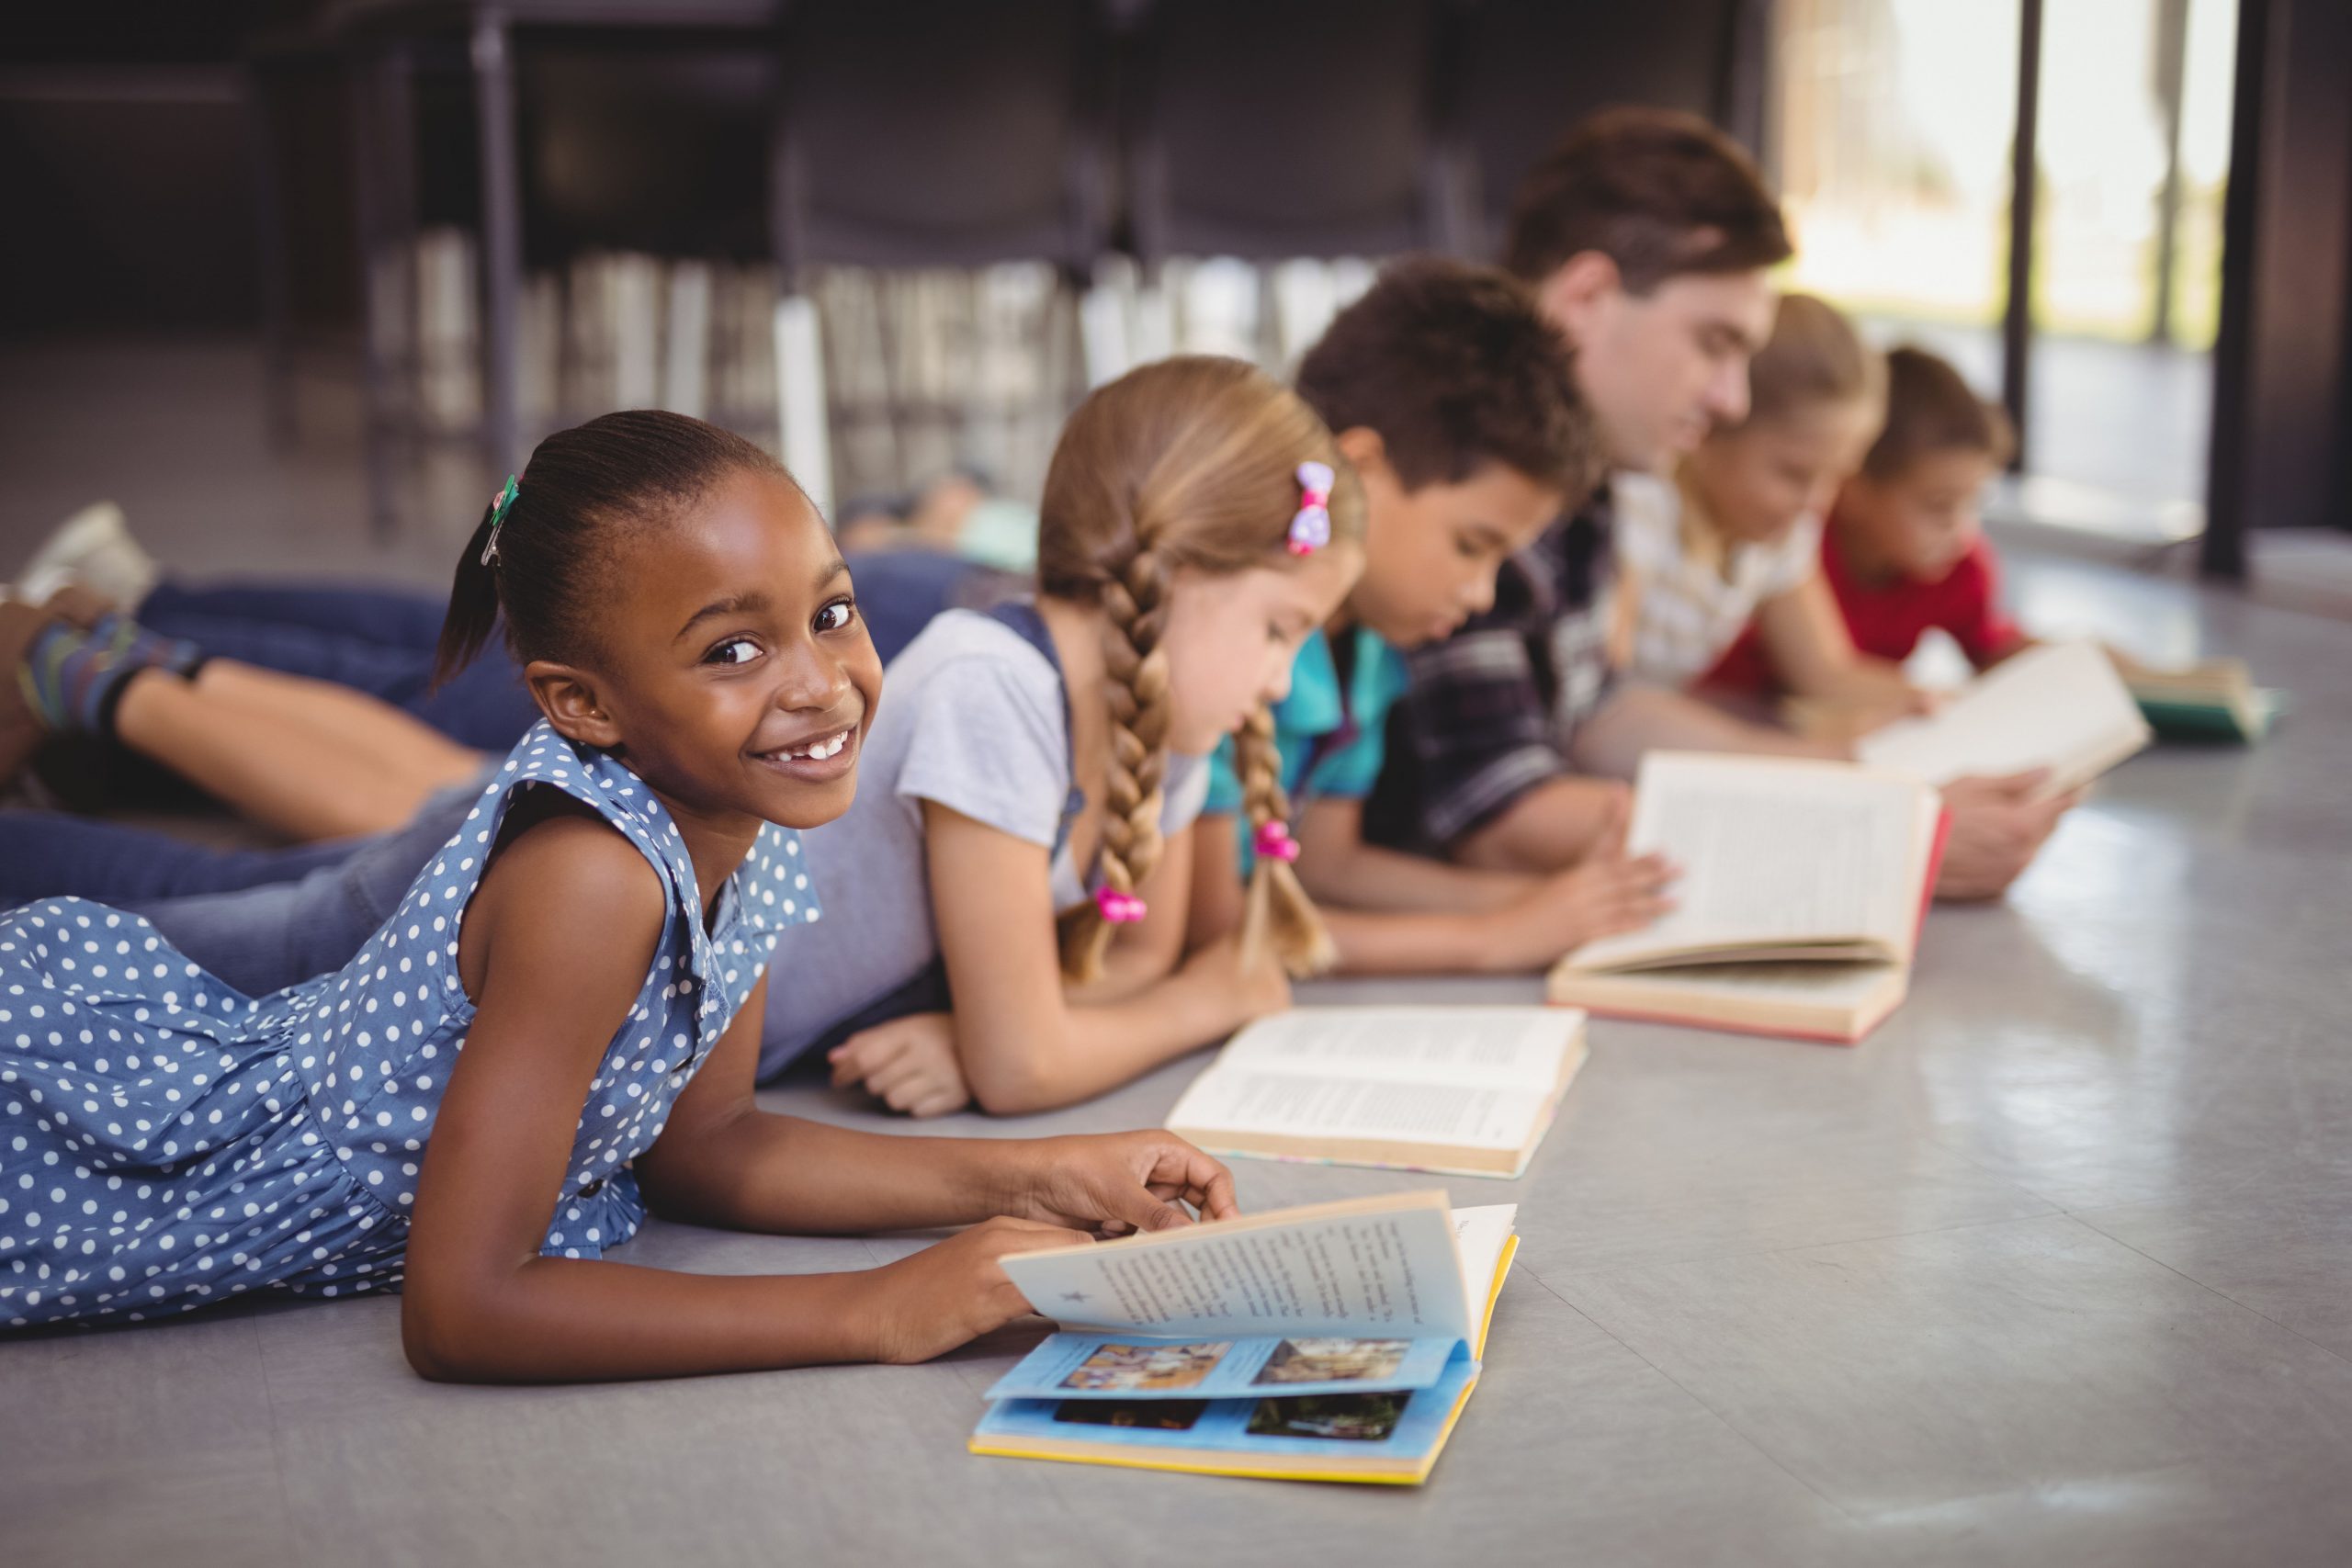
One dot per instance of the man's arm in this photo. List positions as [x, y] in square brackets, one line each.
[1646, 718]
[1550, 827]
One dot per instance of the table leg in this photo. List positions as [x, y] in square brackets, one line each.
[502, 239]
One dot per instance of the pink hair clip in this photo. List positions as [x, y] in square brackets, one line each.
[1118, 908]
[1310, 527]
[1274, 841]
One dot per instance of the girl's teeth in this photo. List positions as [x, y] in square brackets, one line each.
[819, 750]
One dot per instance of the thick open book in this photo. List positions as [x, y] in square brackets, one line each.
[1336, 1342]
[1803, 887]
[1466, 1091]
[2060, 706]
[2216, 700]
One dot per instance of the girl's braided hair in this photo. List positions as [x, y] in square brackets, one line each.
[1188, 463]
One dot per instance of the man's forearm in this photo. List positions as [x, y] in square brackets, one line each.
[1646, 718]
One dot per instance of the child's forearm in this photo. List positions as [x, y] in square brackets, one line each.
[1369, 877]
[1645, 718]
[568, 1320]
[784, 1175]
[1095, 1048]
[1382, 942]
[1860, 680]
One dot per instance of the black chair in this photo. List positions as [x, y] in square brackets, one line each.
[651, 145]
[940, 133]
[1275, 128]
[436, 136]
[936, 134]
[1521, 72]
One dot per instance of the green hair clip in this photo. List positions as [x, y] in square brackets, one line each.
[499, 507]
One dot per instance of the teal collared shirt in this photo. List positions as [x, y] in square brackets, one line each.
[1330, 735]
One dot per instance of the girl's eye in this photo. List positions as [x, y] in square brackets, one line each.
[734, 651]
[837, 615]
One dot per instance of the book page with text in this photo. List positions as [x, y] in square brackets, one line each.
[1382, 1267]
[1230, 1100]
[2060, 708]
[1493, 1047]
[1772, 853]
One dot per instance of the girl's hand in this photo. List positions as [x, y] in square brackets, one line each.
[1113, 1183]
[1254, 990]
[1607, 893]
[928, 1304]
[909, 1063]
[1922, 702]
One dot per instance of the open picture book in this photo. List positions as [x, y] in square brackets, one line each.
[1335, 1342]
[1803, 885]
[1463, 1090]
[2060, 706]
[2214, 700]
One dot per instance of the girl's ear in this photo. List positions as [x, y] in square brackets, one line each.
[568, 696]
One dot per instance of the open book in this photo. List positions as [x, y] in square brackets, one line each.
[1803, 887]
[2060, 706]
[1466, 1091]
[1336, 1342]
[2215, 700]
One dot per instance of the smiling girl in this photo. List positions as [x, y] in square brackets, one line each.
[557, 1030]
[1021, 856]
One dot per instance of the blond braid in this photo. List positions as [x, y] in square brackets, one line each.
[1278, 912]
[1135, 613]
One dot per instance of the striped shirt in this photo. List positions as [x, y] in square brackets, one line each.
[1491, 709]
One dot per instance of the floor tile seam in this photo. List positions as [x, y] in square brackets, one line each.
[2096, 1229]
[1614, 1268]
[1716, 1416]
[2006, 1177]
[277, 1435]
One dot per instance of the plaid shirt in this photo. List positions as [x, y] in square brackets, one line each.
[1491, 708]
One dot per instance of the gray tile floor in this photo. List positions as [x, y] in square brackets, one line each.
[2057, 1267]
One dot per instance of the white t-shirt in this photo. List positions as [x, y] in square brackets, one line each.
[971, 716]
[1692, 608]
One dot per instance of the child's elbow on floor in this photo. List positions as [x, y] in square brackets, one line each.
[439, 1344]
[1012, 1090]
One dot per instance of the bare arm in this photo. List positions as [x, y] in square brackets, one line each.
[564, 923]
[1804, 634]
[1471, 920]
[1024, 1043]
[1339, 869]
[1555, 825]
[1145, 952]
[1646, 718]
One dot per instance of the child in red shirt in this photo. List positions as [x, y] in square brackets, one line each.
[1904, 551]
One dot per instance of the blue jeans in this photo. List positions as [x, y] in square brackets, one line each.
[381, 640]
[261, 919]
[376, 640]
[266, 919]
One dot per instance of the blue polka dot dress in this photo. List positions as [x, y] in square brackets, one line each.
[167, 1143]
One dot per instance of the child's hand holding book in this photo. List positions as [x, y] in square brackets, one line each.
[1107, 1184]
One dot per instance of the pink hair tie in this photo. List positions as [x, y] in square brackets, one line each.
[1274, 841]
[1310, 527]
[1118, 908]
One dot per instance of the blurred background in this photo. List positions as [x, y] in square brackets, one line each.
[297, 282]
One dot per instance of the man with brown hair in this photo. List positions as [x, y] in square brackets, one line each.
[1453, 401]
[1648, 236]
